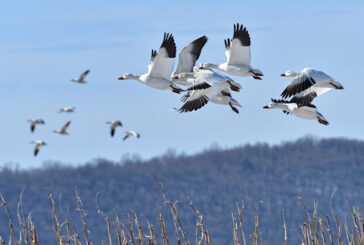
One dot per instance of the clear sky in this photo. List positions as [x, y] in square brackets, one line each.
[43, 44]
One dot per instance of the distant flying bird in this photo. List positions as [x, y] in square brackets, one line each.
[63, 130]
[187, 59]
[68, 109]
[238, 55]
[131, 133]
[207, 85]
[159, 68]
[38, 144]
[309, 81]
[34, 122]
[113, 126]
[295, 107]
[81, 78]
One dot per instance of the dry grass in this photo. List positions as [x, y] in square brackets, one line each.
[315, 230]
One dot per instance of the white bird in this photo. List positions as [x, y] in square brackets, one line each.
[63, 130]
[207, 86]
[34, 122]
[131, 133]
[309, 81]
[113, 126]
[187, 59]
[238, 56]
[302, 110]
[68, 109]
[81, 78]
[225, 98]
[160, 67]
[38, 144]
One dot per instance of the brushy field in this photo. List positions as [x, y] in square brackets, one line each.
[315, 229]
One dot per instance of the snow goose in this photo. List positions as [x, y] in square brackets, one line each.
[206, 85]
[159, 68]
[302, 110]
[309, 81]
[34, 122]
[38, 145]
[131, 133]
[81, 78]
[113, 126]
[68, 109]
[197, 101]
[187, 59]
[63, 130]
[238, 55]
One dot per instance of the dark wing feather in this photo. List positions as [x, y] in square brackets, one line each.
[126, 136]
[227, 43]
[200, 86]
[197, 46]
[153, 55]
[241, 33]
[36, 150]
[280, 101]
[32, 127]
[194, 105]
[186, 96]
[304, 100]
[169, 44]
[112, 132]
[298, 85]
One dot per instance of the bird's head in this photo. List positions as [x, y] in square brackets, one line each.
[126, 76]
[269, 106]
[289, 74]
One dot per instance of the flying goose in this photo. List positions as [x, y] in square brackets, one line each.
[81, 78]
[68, 109]
[63, 130]
[302, 110]
[206, 85]
[34, 122]
[309, 81]
[38, 144]
[160, 67]
[113, 126]
[131, 133]
[238, 55]
[187, 59]
[197, 101]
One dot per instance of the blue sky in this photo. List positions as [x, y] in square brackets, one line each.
[45, 44]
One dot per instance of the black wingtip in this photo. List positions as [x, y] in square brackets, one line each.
[198, 44]
[241, 33]
[169, 44]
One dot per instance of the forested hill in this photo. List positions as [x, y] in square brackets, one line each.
[267, 178]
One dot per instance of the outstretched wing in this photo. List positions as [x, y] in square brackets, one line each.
[126, 136]
[112, 132]
[298, 85]
[189, 55]
[32, 127]
[194, 104]
[164, 60]
[151, 61]
[64, 128]
[36, 150]
[238, 48]
[84, 74]
[304, 99]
